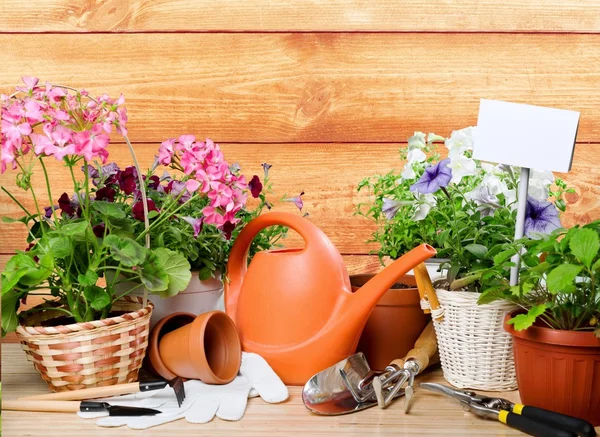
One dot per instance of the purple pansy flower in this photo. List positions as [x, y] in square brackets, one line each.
[266, 168]
[255, 186]
[390, 208]
[435, 177]
[297, 200]
[541, 217]
[196, 224]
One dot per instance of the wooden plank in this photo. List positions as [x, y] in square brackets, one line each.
[431, 414]
[314, 87]
[328, 173]
[301, 15]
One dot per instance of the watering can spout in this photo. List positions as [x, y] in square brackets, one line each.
[366, 297]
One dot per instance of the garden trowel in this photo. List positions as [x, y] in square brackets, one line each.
[343, 388]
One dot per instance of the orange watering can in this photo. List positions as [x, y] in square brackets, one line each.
[295, 307]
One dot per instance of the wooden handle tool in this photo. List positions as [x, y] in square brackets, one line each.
[422, 278]
[425, 350]
[99, 392]
[43, 406]
[418, 270]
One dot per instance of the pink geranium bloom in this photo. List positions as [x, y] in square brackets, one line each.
[220, 195]
[30, 83]
[41, 143]
[54, 94]
[7, 156]
[186, 142]
[212, 216]
[14, 130]
[165, 151]
[204, 180]
[33, 112]
[192, 186]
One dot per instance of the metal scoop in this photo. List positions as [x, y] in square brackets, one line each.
[342, 388]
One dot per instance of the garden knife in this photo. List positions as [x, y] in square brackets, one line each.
[73, 407]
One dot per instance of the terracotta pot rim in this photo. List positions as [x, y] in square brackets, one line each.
[198, 354]
[153, 351]
[544, 334]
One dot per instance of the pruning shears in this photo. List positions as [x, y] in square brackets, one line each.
[530, 420]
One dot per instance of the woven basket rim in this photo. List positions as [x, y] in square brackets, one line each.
[34, 331]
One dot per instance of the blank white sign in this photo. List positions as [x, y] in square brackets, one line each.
[525, 135]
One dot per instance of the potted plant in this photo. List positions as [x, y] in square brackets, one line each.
[85, 333]
[466, 209]
[556, 332]
[209, 201]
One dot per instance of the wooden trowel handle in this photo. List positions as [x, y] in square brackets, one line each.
[87, 393]
[425, 349]
[45, 406]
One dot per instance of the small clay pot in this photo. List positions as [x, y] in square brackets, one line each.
[394, 325]
[558, 370]
[208, 349]
[153, 362]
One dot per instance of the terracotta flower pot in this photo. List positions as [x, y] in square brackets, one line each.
[394, 325]
[558, 370]
[205, 347]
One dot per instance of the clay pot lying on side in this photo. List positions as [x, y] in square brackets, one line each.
[394, 325]
[558, 370]
[205, 347]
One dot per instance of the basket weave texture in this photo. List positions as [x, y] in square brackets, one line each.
[90, 354]
[475, 351]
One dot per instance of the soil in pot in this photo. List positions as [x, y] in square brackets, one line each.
[558, 370]
[395, 323]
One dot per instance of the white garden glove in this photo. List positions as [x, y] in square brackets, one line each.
[202, 401]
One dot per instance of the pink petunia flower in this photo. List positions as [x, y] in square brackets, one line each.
[297, 200]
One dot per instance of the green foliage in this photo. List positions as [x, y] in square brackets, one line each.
[558, 283]
[125, 250]
[177, 269]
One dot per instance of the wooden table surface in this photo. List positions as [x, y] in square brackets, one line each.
[431, 415]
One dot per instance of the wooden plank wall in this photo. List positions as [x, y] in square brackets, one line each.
[326, 90]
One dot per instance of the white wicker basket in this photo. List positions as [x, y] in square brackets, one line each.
[475, 351]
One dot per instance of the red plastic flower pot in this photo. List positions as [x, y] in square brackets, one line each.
[558, 370]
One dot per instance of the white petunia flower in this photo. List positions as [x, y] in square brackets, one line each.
[424, 204]
[460, 141]
[539, 183]
[510, 197]
[462, 166]
[417, 141]
[494, 184]
[415, 155]
[407, 173]
[486, 201]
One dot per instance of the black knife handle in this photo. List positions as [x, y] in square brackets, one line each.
[532, 427]
[582, 427]
[93, 407]
[153, 385]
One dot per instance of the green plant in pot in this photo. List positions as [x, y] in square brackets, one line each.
[465, 208]
[556, 331]
[209, 202]
[69, 254]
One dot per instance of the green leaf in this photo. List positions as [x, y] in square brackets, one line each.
[596, 265]
[7, 219]
[491, 295]
[154, 277]
[77, 229]
[42, 270]
[10, 304]
[16, 267]
[37, 230]
[524, 321]
[562, 278]
[97, 297]
[60, 247]
[516, 289]
[108, 209]
[90, 278]
[584, 244]
[177, 268]
[503, 256]
[125, 250]
[204, 273]
[477, 249]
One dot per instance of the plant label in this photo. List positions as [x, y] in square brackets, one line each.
[526, 135]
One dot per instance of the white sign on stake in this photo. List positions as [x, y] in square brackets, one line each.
[525, 136]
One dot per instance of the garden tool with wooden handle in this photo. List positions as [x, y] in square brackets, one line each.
[416, 360]
[429, 299]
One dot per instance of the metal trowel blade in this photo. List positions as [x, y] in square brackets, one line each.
[326, 393]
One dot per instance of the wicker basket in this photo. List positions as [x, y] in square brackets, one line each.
[475, 351]
[91, 354]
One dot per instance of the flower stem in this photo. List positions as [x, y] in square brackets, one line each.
[14, 199]
[56, 222]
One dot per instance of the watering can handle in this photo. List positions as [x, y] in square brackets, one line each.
[314, 240]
